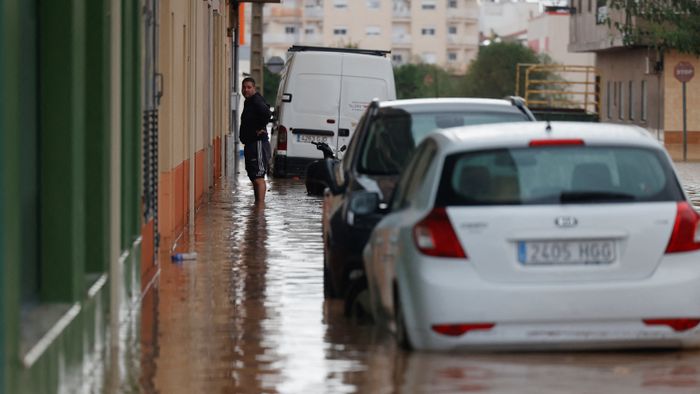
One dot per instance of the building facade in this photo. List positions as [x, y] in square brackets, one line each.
[439, 32]
[113, 114]
[638, 85]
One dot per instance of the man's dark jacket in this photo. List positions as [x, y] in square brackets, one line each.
[255, 116]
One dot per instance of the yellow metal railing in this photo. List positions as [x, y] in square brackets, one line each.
[557, 86]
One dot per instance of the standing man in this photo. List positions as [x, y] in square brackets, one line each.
[253, 134]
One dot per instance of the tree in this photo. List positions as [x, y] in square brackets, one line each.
[424, 80]
[270, 84]
[660, 24]
[492, 73]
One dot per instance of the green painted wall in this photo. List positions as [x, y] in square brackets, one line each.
[131, 122]
[55, 162]
[97, 139]
[10, 15]
[62, 149]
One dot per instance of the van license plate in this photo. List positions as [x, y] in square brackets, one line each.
[593, 252]
[311, 138]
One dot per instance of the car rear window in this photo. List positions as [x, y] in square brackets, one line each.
[557, 175]
[394, 134]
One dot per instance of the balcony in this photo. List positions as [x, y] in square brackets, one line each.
[401, 11]
[313, 13]
[282, 14]
[285, 39]
[401, 41]
[461, 41]
[463, 15]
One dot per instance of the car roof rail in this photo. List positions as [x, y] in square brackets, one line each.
[519, 102]
[516, 100]
[303, 48]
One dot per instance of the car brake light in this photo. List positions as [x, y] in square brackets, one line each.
[434, 235]
[556, 142]
[281, 138]
[686, 230]
[455, 330]
[683, 324]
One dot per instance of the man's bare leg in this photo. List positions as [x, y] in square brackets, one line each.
[259, 187]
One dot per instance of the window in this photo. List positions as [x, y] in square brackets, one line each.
[429, 58]
[608, 100]
[340, 3]
[643, 97]
[427, 31]
[373, 31]
[452, 30]
[309, 31]
[340, 31]
[630, 97]
[396, 58]
[583, 175]
[373, 4]
[290, 29]
[601, 13]
[452, 4]
[452, 56]
[428, 5]
[621, 101]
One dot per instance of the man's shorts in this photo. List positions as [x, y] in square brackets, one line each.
[257, 159]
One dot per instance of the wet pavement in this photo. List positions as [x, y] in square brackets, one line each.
[248, 316]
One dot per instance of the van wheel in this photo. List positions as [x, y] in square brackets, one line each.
[401, 336]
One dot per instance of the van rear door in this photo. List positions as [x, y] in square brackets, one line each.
[364, 78]
[314, 93]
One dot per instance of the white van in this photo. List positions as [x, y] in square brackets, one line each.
[322, 94]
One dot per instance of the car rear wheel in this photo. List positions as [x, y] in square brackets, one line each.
[401, 335]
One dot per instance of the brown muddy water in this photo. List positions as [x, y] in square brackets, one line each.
[248, 316]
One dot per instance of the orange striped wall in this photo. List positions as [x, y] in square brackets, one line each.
[149, 266]
[173, 194]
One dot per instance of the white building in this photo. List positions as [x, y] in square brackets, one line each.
[442, 32]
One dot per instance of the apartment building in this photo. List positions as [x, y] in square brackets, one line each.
[442, 32]
[638, 83]
[506, 19]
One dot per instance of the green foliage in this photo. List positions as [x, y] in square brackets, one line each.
[661, 24]
[424, 80]
[492, 73]
[270, 84]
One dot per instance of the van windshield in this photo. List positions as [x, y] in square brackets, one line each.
[394, 133]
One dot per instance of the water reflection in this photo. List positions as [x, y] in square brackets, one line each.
[248, 316]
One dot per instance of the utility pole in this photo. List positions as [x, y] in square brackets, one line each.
[256, 44]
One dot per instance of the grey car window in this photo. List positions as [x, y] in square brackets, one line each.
[557, 175]
[414, 176]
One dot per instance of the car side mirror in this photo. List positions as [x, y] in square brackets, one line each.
[333, 175]
[364, 203]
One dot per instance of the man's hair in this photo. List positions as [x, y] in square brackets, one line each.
[248, 79]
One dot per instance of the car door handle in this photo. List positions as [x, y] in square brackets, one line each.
[343, 132]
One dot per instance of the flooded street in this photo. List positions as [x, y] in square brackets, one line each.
[248, 316]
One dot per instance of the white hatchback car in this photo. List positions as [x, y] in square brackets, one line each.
[536, 235]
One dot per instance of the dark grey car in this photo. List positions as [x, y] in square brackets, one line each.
[386, 136]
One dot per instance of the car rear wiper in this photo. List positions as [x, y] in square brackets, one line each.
[595, 196]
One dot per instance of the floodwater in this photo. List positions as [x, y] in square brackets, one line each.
[248, 316]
